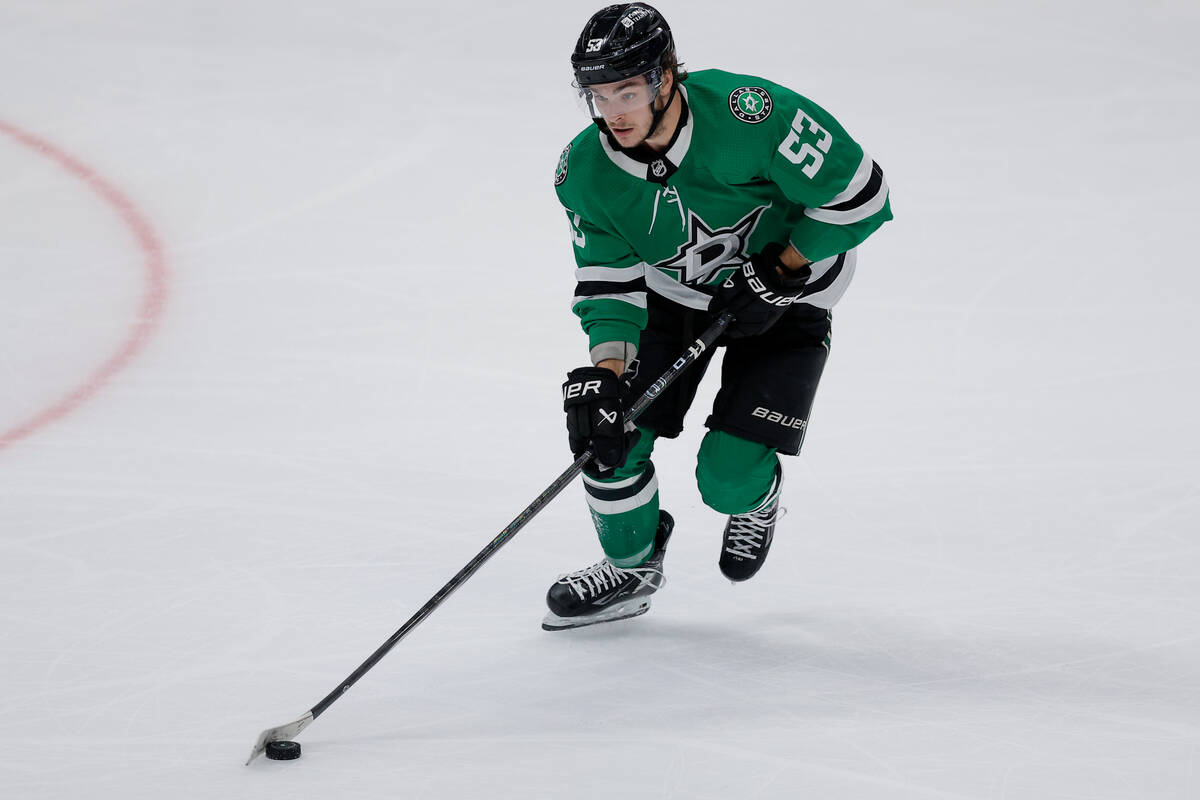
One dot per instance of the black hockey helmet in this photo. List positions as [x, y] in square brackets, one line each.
[620, 42]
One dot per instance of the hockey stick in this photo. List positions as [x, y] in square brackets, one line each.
[293, 729]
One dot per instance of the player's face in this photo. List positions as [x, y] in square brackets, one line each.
[627, 107]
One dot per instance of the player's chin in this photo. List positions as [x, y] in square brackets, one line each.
[628, 137]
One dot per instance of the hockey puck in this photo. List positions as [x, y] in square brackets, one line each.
[282, 751]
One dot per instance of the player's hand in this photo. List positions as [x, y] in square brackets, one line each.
[760, 292]
[594, 399]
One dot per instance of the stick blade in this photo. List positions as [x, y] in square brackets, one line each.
[287, 732]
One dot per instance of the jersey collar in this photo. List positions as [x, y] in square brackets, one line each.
[672, 158]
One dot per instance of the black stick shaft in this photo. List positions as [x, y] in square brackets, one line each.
[698, 347]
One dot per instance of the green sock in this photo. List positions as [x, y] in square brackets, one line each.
[625, 507]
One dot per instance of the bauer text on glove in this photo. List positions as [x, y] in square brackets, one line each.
[593, 399]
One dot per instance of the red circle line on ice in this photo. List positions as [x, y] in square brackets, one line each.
[154, 292]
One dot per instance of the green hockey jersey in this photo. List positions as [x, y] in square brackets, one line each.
[752, 163]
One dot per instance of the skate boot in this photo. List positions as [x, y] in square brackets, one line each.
[605, 592]
[748, 536]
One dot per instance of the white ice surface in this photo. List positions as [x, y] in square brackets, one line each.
[988, 584]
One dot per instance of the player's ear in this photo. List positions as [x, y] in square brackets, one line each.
[668, 80]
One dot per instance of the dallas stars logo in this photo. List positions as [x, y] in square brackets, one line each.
[560, 172]
[710, 256]
[750, 104]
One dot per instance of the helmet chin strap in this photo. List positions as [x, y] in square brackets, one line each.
[658, 115]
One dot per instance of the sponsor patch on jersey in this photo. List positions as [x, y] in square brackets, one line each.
[750, 104]
[560, 172]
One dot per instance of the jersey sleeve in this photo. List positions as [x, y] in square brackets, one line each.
[818, 166]
[610, 290]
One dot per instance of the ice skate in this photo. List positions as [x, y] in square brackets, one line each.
[605, 592]
[748, 536]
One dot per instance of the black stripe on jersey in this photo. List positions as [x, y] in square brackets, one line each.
[591, 288]
[825, 281]
[624, 492]
[866, 193]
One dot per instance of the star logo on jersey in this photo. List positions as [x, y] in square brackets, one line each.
[710, 255]
[750, 104]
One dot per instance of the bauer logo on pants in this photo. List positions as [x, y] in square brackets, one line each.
[775, 416]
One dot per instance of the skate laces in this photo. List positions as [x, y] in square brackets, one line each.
[603, 575]
[748, 531]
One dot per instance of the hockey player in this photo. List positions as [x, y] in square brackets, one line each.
[692, 194]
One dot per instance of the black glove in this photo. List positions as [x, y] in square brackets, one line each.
[594, 399]
[758, 295]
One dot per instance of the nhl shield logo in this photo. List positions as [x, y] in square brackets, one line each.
[750, 104]
[658, 168]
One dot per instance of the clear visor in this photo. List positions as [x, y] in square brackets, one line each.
[611, 100]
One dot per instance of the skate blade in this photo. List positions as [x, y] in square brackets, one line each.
[633, 607]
